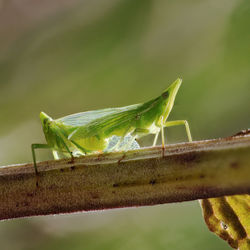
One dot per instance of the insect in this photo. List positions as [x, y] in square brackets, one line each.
[93, 131]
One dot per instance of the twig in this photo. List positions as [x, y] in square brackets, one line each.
[188, 171]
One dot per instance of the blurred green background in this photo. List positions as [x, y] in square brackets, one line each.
[63, 57]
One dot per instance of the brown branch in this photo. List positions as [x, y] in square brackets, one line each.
[188, 171]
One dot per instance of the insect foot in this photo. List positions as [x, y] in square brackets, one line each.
[122, 158]
[162, 151]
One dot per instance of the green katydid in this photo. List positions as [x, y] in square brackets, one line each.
[91, 131]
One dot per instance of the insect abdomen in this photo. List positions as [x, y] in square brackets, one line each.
[93, 143]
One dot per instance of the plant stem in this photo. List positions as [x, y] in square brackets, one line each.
[188, 171]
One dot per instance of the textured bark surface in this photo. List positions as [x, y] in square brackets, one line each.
[188, 171]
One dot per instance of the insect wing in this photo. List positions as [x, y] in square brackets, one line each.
[84, 118]
[103, 125]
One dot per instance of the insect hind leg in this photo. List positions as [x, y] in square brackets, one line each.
[61, 138]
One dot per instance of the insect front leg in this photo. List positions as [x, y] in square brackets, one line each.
[36, 146]
[146, 131]
[180, 122]
[56, 155]
[139, 131]
[162, 136]
[155, 139]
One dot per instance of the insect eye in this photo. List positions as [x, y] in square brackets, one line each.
[165, 94]
[45, 121]
[137, 117]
